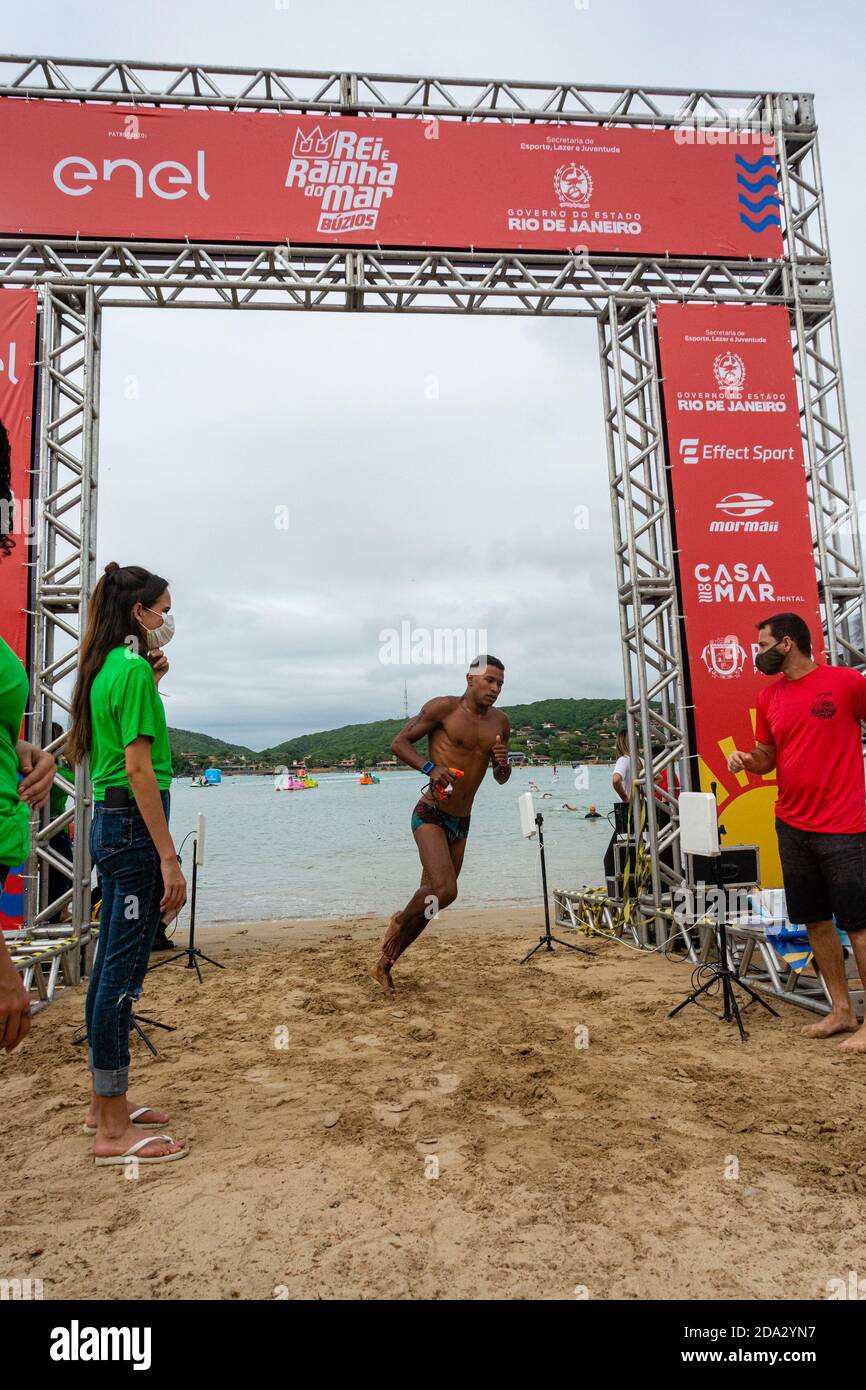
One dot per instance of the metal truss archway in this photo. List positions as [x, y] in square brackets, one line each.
[80, 278]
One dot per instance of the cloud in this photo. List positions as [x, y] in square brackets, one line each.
[429, 469]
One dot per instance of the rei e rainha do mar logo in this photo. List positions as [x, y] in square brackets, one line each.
[573, 191]
[730, 395]
[351, 174]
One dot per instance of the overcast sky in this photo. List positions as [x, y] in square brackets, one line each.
[430, 465]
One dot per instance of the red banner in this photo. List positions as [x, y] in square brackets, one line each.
[743, 531]
[170, 174]
[17, 367]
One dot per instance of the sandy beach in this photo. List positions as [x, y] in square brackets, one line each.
[452, 1144]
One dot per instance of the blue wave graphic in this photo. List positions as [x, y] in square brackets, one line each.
[769, 180]
[768, 221]
[761, 163]
[769, 201]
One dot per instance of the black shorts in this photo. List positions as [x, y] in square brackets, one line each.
[824, 876]
[455, 827]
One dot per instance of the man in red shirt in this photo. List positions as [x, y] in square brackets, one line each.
[808, 729]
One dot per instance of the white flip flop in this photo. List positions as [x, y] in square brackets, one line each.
[142, 1110]
[132, 1152]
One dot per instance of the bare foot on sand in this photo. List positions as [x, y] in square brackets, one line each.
[855, 1044]
[839, 1021]
[109, 1146]
[150, 1116]
[381, 973]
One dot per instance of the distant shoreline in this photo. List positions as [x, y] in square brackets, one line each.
[377, 767]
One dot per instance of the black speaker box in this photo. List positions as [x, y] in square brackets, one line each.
[741, 867]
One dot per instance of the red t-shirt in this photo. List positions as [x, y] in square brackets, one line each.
[663, 783]
[814, 723]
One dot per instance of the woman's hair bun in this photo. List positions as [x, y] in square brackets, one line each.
[111, 568]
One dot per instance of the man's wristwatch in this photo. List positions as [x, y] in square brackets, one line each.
[427, 767]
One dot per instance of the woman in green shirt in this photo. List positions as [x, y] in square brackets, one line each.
[118, 723]
[35, 768]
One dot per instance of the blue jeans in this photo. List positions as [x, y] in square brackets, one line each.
[128, 864]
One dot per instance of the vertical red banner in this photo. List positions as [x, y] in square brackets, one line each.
[17, 519]
[743, 532]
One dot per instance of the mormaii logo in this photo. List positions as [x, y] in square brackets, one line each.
[352, 174]
[572, 184]
[744, 511]
[724, 658]
[729, 369]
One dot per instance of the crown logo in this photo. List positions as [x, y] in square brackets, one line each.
[316, 144]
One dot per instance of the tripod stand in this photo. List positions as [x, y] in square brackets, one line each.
[548, 938]
[191, 951]
[135, 1022]
[722, 970]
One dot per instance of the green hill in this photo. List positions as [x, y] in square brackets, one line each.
[580, 729]
[189, 749]
[367, 743]
[567, 715]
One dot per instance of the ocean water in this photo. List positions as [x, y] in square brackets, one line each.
[341, 849]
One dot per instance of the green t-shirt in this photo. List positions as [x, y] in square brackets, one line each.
[124, 705]
[14, 813]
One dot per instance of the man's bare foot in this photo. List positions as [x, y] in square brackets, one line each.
[855, 1044]
[107, 1145]
[839, 1021]
[381, 973]
[150, 1117]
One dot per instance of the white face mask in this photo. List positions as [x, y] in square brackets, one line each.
[158, 636]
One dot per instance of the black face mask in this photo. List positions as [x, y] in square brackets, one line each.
[771, 661]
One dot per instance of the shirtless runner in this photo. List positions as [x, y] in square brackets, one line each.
[463, 732]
